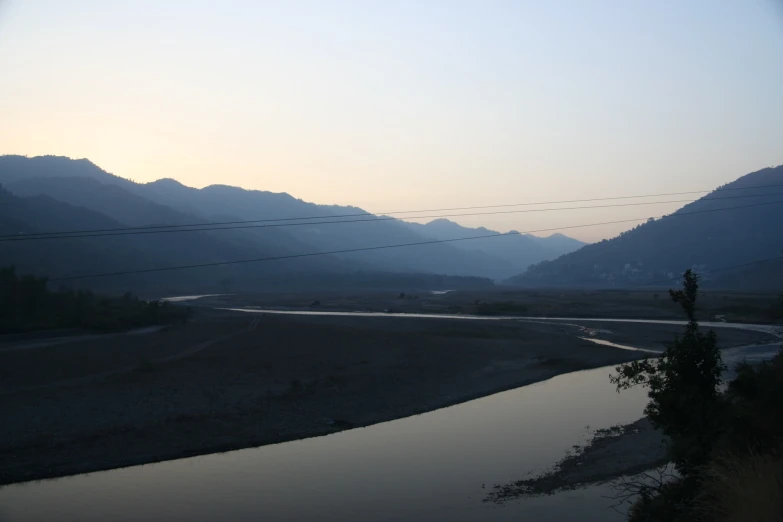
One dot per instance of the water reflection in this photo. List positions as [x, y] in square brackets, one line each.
[434, 466]
[621, 346]
[183, 298]
[766, 328]
[427, 467]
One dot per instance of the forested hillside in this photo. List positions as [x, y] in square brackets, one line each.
[733, 225]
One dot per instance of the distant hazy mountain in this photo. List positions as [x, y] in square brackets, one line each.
[73, 257]
[221, 201]
[20, 216]
[109, 199]
[520, 251]
[668, 246]
[167, 201]
[559, 243]
[131, 209]
[116, 202]
[15, 168]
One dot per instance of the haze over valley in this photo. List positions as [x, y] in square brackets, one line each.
[45, 195]
[391, 261]
[55, 194]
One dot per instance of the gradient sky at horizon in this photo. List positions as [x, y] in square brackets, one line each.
[403, 105]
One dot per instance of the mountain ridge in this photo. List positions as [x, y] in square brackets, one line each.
[179, 204]
[718, 235]
[520, 250]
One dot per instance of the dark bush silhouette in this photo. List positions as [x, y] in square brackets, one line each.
[711, 433]
[27, 304]
[683, 385]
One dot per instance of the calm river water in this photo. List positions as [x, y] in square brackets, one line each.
[434, 466]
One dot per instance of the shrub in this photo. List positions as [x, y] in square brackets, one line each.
[742, 488]
[725, 445]
[685, 403]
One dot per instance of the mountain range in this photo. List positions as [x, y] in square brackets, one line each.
[736, 226]
[519, 250]
[53, 194]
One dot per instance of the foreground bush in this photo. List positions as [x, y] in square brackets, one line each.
[685, 402]
[742, 488]
[726, 445]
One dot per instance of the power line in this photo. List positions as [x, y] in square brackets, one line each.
[350, 250]
[274, 225]
[334, 216]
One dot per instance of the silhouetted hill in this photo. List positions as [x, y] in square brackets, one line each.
[560, 242]
[131, 209]
[167, 201]
[74, 257]
[15, 168]
[78, 256]
[66, 257]
[766, 277]
[63, 194]
[111, 200]
[222, 200]
[520, 251]
[666, 247]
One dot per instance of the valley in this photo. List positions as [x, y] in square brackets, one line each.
[231, 380]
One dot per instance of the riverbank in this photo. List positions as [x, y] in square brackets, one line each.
[615, 454]
[231, 381]
[609, 454]
[504, 301]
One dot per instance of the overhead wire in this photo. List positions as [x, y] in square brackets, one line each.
[34, 237]
[43, 235]
[402, 245]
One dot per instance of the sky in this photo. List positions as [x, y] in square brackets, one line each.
[404, 105]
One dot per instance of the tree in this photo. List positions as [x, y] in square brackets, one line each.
[27, 304]
[713, 435]
[685, 402]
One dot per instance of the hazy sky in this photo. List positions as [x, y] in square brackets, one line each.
[405, 104]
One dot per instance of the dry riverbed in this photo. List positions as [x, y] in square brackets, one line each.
[231, 381]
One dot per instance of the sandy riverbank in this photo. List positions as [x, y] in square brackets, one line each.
[504, 301]
[232, 381]
[619, 454]
[609, 454]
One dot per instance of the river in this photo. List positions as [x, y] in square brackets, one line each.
[435, 466]
[767, 328]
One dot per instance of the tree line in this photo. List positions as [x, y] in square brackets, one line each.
[27, 303]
